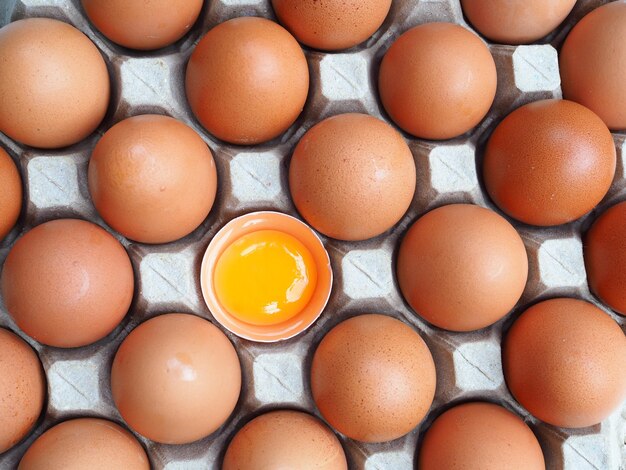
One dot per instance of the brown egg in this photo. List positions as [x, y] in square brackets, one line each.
[563, 360]
[593, 63]
[437, 81]
[285, 439]
[332, 25]
[22, 389]
[605, 257]
[549, 162]
[54, 84]
[373, 378]
[152, 178]
[176, 378]
[85, 443]
[10, 194]
[143, 24]
[352, 176]
[247, 80]
[480, 436]
[516, 21]
[462, 267]
[67, 283]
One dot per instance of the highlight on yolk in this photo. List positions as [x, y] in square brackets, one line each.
[265, 277]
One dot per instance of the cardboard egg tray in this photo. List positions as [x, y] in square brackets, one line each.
[255, 178]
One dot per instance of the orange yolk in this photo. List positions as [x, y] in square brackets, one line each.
[265, 277]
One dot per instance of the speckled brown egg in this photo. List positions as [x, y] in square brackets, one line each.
[482, 436]
[549, 162]
[247, 80]
[143, 24]
[593, 63]
[152, 178]
[352, 176]
[10, 194]
[605, 257]
[285, 439]
[437, 81]
[176, 378]
[332, 25]
[67, 283]
[516, 21]
[563, 360]
[85, 443]
[462, 267]
[54, 84]
[22, 389]
[373, 378]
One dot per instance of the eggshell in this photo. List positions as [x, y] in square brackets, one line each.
[67, 283]
[549, 162]
[267, 220]
[22, 389]
[437, 81]
[516, 21]
[285, 439]
[54, 84]
[352, 176]
[10, 194]
[152, 178]
[85, 443]
[176, 378]
[462, 267]
[593, 63]
[479, 435]
[563, 360]
[332, 25]
[247, 80]
[373, 378]
[143, 24]
[605, 257]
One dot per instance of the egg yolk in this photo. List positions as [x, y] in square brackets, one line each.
[265, 277]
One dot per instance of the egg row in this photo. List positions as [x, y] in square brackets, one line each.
[328, 26]
[176, 378]
[478, 432]
[247, 80]
[153, 179]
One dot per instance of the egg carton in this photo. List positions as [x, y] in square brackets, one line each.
[255, 178]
